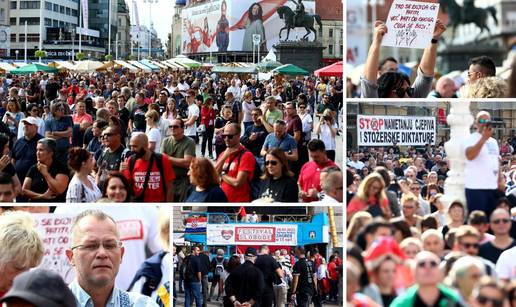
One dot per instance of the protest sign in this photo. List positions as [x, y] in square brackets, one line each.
[55, 232]
[410, 24]
[374, 130]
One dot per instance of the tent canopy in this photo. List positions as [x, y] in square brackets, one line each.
[124, 64]
[290, 69]
[268, 65]
[333, 70]
[149, 64]
[189, 63]
[88, 66]
[140, 66]
[33, 68]
[6, 67]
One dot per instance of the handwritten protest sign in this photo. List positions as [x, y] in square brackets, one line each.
[403, 130]
[55, 231]
[410, 24]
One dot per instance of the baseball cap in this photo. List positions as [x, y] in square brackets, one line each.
[41, 288]
[30, 120]
[250, 252]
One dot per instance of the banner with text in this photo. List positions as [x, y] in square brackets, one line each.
[251, 234]
[410, 24]
[55, 231]
[383, 130]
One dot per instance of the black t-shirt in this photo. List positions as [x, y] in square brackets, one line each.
[305, 270]
[39, 184]
[194, 266]
[284, 189]
[138, 117]
[245, 282]
[110, 161]
[267, 266]
[492, 253]
[254, 146]
[51, 90]
[204, 261]
[387, 299]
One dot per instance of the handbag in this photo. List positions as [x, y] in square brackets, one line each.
[201, 129]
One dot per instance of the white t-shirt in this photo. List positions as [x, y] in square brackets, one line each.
[154, 135]
[79, 193]
[506, 266]
[236, 91]
[183, 87]
[247, 108]
[327, 138]
[193, 111]
[307, 120]
[359, 165]
[482, 172]
[138, 228]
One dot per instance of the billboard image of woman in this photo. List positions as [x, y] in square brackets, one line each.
[254, 25]
[222, 39]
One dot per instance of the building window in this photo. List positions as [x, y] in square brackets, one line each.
[61, 9]
[330, 49]
[13, 38]
[330, 33]
[31, 21]
[13, 5]
[56, 8]
[48, 6]
[61, 24]
[74, 13]
[341, 49]
[12, 21]
[68, 11]
[48, 22]
[29, 5]
[55, 23]
[33, 37]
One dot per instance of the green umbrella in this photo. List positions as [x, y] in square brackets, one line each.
[268, 65]
[290, 69]
[33, 68]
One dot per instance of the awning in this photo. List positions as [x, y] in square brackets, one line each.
[62, 65]
[88, 66]
[176, 64]
[185, 61]
[152, 66]
[126, 65]
[140, 66]
[234, 69]
[6, 67]
[159, 64]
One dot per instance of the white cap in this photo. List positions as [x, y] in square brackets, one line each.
[30, 120]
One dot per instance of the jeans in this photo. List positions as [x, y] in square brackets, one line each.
[303, 299]
[333, 289]
[205, 290]
[207, 136]
[193, 289]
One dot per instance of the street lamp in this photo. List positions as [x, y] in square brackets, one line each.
[150, 23]
[16, 52]
[109, 27]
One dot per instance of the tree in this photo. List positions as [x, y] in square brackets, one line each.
[80, 56]
[40, 54]
[108, 57]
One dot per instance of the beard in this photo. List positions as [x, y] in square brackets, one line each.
[139, 154]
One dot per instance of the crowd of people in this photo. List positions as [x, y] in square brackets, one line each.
[107, 250]
[265, 277]
[123, 136]
[409, 246]
[383, 78]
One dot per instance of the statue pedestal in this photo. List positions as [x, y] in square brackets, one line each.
[450, 58]
[307, 55]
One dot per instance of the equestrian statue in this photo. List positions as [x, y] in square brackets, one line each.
[298, 19]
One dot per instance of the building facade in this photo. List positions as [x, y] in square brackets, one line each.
[123, 35]
[140, 42]
[331, 34]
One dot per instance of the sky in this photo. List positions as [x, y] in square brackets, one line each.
[162, 12]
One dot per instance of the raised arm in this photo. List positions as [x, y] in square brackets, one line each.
[430, 54]
[372, 61]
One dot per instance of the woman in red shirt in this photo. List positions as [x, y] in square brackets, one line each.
[208, 120]
[370, 197]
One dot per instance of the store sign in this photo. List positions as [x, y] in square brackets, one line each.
[251, 234]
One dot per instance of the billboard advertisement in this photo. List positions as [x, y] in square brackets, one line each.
[229, 25]
[251, 234]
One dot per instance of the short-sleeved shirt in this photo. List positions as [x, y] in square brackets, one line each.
[236, 108]
[506, 266]
[305, 270]
[39, 184]
[154, 191]
[77, 119]
[272, 116]
[482, 172]
[246, 164]
[287, 143]
[193, 111]
[58, 125]
[178, 149]
[154, 135]
[295, 124]
[138, 117]
[310, 176]
[492, 253]
[24, 152]
[268, 266]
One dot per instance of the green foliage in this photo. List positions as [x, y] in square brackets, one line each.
[108, 57]
[40, 54]
[80, 56]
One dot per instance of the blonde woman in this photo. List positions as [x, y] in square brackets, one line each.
[370, 197]
[357, 222]
[153, 132]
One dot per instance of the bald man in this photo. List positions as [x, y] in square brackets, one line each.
[444, 88]
[482, 166]
[150, 174]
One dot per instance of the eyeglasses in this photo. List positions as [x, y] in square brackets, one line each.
[484, 300]
[400, 92]
[498, 221]
[106, 135]
[470, 245]
[94, 246]
[228, 136]
[430, 263]
[271, 162]
[174, 126]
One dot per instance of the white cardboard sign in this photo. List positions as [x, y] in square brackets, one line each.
[410, 24]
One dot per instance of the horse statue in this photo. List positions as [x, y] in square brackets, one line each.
[306, 21]
[468, 14]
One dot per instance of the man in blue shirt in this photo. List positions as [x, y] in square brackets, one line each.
[24, 149]
[96, 254]
[281, 139]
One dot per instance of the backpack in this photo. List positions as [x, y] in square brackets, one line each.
[159, 164]
[255, 183]
[219, 268]
[151, 270]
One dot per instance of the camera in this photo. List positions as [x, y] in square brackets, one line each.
[491, 123]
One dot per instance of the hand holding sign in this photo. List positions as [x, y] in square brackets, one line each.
[412, 24]
[380, 29]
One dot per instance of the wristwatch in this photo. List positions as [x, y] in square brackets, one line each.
[434, 41]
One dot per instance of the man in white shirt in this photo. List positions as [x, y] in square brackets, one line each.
[482, 166]
[506, 266]
[235, 90]
[355, 163]
[192, 115]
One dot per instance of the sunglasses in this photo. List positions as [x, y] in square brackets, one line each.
[430, 263]
[106, 135]
[400, 92]
[498, 221]
[271, 162]
[174, 126]
[484, 300]
[469, 245]
[228, 136]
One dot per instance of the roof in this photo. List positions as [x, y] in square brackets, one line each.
[329, 9]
